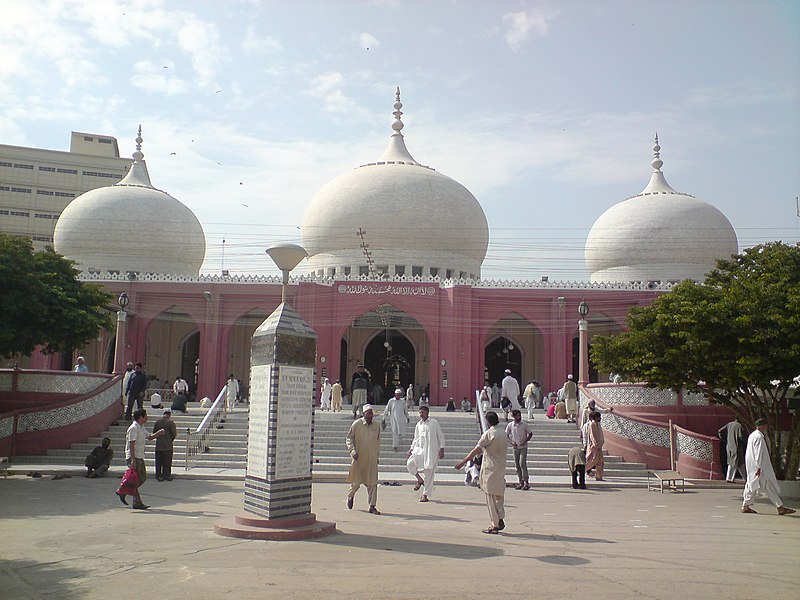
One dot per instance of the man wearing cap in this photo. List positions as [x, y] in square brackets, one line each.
[569, 394]
[509, 390]
[396, 414]
[325, 395]
[359, 385]
[364, 444]
[80, 366]
[760, 475]
[426, 450]
[164, 446]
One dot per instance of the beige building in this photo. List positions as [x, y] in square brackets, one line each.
[36, 184]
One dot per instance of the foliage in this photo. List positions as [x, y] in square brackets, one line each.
[735, 337]
[42, 303]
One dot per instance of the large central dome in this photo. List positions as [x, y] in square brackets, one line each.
[396, 217]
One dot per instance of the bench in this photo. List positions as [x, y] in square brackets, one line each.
[670, 478]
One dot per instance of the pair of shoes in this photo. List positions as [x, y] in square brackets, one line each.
[140, 506]
[160, 478]
[492, 530]
[501, 525]
[418, 485]
[517, 486]
[350, 503]
[583, 487]
[747, 509]
[374, 511]
[424, 498]
[785, 510]
[122, 498]
[525, 486]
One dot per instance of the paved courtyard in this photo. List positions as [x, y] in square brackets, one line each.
[72, 539]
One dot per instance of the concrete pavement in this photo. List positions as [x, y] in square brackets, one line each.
[71, 539]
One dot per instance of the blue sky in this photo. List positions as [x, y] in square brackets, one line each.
[546, 111]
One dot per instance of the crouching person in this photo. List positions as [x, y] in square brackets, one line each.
[99, 460]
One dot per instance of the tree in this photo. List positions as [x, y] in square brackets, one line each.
[42, 303]
[734, 337]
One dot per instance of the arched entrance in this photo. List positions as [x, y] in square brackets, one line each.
[190, 358]
[517, 344]
[390, 358]
[502, 354]
[166, 344]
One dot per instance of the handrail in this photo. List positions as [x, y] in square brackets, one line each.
[482, 424]
[196, 440]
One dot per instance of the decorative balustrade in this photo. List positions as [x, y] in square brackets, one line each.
[197, 440]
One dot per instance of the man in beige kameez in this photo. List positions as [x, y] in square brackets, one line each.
[494, 445]
[594, 446]
[364, 444]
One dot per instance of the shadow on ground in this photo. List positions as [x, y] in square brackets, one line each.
[424, 547]
[25, 579]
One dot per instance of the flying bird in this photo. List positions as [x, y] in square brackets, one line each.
[245, 205]
[172, 153]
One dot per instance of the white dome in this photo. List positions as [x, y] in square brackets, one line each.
[658, 235]
[131, 226]
[412, 216]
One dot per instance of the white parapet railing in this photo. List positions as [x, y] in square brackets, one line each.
[197, 440]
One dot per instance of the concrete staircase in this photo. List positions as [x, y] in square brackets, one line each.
[227, 449]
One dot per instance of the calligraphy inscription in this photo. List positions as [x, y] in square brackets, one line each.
[379, 289]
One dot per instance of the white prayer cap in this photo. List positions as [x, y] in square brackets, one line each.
[569, 376]
[508, 371]
[398, 391]
[367, 407]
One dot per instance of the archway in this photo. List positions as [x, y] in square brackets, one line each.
[390, 358]
[169, 343]
[517, 344]
[240, 340]
[502, 354]
[190, 358]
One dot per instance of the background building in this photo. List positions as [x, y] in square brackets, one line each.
[36, 184]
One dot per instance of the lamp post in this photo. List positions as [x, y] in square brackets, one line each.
[583, 339]
[286, 257]
[119, 342]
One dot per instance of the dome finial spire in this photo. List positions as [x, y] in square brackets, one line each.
[137, 156]
[398, 123]
[657, 162]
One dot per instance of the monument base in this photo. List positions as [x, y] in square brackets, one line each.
[253, 527]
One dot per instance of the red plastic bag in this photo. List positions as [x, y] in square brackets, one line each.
[130, 482]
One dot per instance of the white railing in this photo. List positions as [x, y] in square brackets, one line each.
[197, 440]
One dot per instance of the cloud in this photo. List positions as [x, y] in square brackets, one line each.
[368, 41]
[200, 40]
[257, 44]
[154, 78]
[520, 26]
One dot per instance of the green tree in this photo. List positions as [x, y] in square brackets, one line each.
[734, 337]
[42, 303]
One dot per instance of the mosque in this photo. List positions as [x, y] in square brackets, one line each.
[410, 306]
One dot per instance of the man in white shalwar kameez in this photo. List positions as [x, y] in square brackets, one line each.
[232, 392]
[425, 452]
[396, 414]
[569, 393]
[410, 396]
[325, 395]
[760, 474]
[510, 390]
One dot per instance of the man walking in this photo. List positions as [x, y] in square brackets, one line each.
[519, 434]
[164, 446]
[125, 378]
[325, 395]
[397, 414]
[336, 396]
[494, 445]
[137, 384]
[509, 390]
[733, 434]
[426, 450]
[364, 444]
[358, 388]
[760, 474]
[232, 392]
[135, 440]
[569, 394]
[594, 446]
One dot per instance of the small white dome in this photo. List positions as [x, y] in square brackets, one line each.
[658, 235]
[131, 226]
[412, 216]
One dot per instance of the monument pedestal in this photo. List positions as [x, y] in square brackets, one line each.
[251, 527]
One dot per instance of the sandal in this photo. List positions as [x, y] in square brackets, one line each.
[418, 485]
[492, 530]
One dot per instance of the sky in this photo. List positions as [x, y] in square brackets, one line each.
[546, 111]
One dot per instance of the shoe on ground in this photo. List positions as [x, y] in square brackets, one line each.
[168, 478]
[160, 478]
[583, 487]
[501, 525]
[374, 510]
[747, 509]
[574, 486]
[785, 510]
[122, 498]
[525, 486]
[492, 530]
[350, 503]
[517, 486]
[141, 506]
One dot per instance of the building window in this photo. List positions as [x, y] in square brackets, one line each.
[69, 171]
[347, 270]
[6, 164]
[98, 174]
[48, 169]
[42, 216]
[4, 188]
[65, 194]
[448, 274]
[21, 190]
[18, 213]
[104, 140]
[22, 166]
[3, 212]
[399, 270]
[383, 269]
[41, 238]
[416, 271]
[86, 138]
[44, 193]
[363, 270]
[434, 271]
[462, 275]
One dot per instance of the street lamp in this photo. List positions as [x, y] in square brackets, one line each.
[119, 342]
[583, 339]
[286, 257]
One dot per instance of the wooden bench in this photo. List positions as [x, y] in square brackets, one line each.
[670, 478]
